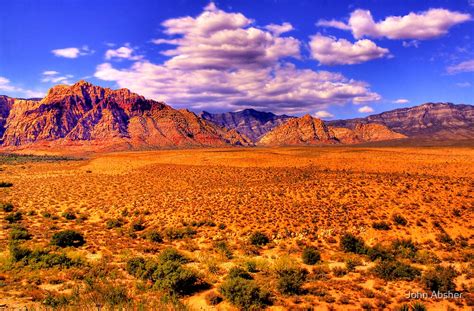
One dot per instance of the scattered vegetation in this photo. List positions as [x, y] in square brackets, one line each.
[67, 238]
[258, 239]
[310, 256]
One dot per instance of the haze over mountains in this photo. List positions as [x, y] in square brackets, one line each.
[97, 118]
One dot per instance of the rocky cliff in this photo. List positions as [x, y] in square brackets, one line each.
[430, 120]
[252, 123]
[364, 133]
[84, 113]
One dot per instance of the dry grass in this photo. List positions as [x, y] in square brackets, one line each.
[297, 196]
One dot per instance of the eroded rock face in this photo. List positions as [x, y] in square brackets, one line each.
[252, 123]
[6, 104]
[299, 131]
[364, 133]
[83, 113]
[430, 120]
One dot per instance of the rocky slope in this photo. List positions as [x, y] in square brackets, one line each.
[299, 131]
[430, 120]
[252, 123]
[84, 114]
[364, 133]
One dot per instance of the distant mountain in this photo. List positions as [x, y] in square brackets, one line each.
[84, 114]
[252, 123]
[430, 120]
[312, 131]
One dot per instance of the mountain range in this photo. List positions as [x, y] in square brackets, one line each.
[92, 117]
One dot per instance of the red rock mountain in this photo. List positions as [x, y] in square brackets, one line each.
[312, 131]
[84, 114]
[299, 131]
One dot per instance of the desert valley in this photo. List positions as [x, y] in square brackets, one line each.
[113, 201]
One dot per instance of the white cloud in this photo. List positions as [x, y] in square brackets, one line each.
[466, 66]
[279, 29]
[12, 90]
[55, 77]
[463, 84]
[331, 51]
[72, 52]
[124, 52]
[366, 109]
[333, 23]
[401, 101]
[220, 60]
[323, 114]
[421, 26]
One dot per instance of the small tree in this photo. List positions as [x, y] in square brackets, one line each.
[67, 238]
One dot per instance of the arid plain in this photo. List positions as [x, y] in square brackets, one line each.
[305, 228]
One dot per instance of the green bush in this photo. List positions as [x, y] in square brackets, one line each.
[223, 248]
[138, 225]
[290, 280]
[379, 252]
[352, 244]
[418, 306]
[399, 220]
[179, 233]
[404, 248]
[40, 258]
[154, 236]
[171, 254]
[67, 238]
[237, 272]
[56, 301]
[6, 207]
[69, 215]
[245, 294]
[258, 239]
[395, 270]
[19, 233]
[381, 225]
[14, 217]
[440, 279]
[114, 223]
[114, 296]
[310, 255]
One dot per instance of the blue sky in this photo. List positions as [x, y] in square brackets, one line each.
[331, 59]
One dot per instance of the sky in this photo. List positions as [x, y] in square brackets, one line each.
[331, 59]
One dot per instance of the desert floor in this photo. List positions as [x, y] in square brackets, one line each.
[206, 203]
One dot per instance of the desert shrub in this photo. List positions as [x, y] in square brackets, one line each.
[41, 258]
[440, 279]
[4, 184]
[399, 220]
[445, 239]
[172, 276]
[14, 217]
[154, 236]
[6, 207]
[69, 215]
[352, 263]
[67, 238]
[381, 225]
[135, 266]
[395, 270]
[18, 252]
[137, 225]
[245, 294]
[352, 244]
[404, 248]
[379, 252]
[213, 298]
[404, 307]
[418, 306]
[339, 271]
[258, 239]
[56, 301]
[114, 223]
[114, 295]
[171, 254]
[19, 233]
[224, 249]
[310, 256]
[222, 226]
[237, 272]
[290, 280]
[179, 233]
[320, 273]
[251, 266]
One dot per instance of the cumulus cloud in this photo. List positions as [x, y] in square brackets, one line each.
[279, 29]
[221, 60]
[421, 26]
[331, 51]
[401, 101]
[366, 109]
[12, 90]
[72, 52]
[333, 23]
[124, 52]
[51, 76]
[466, 66]
[323, 114]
